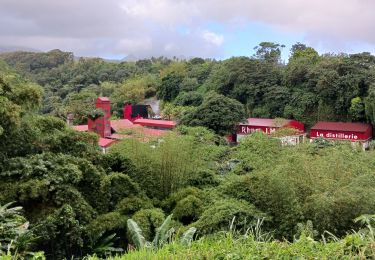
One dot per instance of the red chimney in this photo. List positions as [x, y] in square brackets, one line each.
[128, 111]
[102, 125]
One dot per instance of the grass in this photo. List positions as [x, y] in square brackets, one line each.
[226, 246]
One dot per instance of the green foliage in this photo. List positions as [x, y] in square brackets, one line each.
[162, 237]
[269, 51]
[149, 220]
[217, 112]
[357, 109]
[95, 114]
[61, 232]
[128, 206]
[108, 223]
[191, 98]
[136, 234]
[118, 186]
[169, 87]
[165, 168]
[222, 213]
[15, 236]
[187, 237]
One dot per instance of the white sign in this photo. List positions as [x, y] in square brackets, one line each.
[250, 130]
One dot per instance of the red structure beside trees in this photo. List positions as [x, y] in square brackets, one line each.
[343, 131]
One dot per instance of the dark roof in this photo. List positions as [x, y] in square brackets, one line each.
[341, 126]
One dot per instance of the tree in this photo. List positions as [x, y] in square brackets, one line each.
[170, 86]
[370, 104]
[191, 98]
[269, 52]
[357, 109]
[217, 112]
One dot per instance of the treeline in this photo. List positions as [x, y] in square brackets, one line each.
[310, 87]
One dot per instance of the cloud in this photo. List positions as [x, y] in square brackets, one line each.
[153, 27]
[211, 37]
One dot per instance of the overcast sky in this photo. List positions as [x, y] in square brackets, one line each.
[206, 28]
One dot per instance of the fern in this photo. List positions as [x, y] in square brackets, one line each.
[136, 234]
[187, 237]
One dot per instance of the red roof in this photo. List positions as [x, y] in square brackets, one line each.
[121, 124]
[120, 136]
[105, 99]
[341, 126]
[155, 123]
[266, 122]
[81, 128]
[105, 142]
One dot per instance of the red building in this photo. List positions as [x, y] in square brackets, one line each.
[270, 126]
[102, 125]
[132, 126]
[354, 132]
[267, 125]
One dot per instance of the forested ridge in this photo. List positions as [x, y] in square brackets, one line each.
[190, 195]
[310, 87]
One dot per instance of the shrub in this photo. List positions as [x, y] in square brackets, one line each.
[128, 206]
[219, 215]
[148, 220]
[118, 186]
[188, 209]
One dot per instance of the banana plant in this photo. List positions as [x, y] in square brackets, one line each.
[162, 236]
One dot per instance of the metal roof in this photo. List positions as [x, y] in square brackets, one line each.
[105, 142]
[155, 123]
[106, 99]
[265, 122]
[341, 126]
[121, 124]
[81, 128]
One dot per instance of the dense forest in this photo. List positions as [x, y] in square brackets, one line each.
[310, 87]
[191, 195]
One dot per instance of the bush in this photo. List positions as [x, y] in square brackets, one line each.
[219, 216]
[148, 220]
[191, 98]
[128, 206]
[188, 209]
[118, 186]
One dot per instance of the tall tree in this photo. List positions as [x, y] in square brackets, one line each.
[217, 112]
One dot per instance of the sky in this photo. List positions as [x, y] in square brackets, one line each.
[186, 28]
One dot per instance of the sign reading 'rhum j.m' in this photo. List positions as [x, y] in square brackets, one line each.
[250, 129]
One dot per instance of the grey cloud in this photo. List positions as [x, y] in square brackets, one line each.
[150, 27]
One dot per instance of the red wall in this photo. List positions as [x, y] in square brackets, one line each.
[128, 110]
[342, 135]
[244, 129]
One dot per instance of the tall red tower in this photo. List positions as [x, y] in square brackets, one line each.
[102, 125]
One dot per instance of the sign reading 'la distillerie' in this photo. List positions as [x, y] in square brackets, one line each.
[337, 135]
